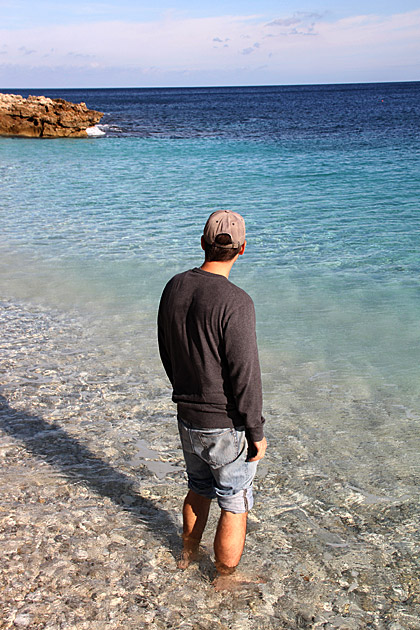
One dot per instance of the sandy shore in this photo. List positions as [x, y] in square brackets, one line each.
[92, 485]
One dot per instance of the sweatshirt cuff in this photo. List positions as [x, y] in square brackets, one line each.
[255, 434]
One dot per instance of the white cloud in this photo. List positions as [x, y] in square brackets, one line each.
[26, 51]
[298, 18]
[184, 47]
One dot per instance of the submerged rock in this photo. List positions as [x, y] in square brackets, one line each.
[41, 117]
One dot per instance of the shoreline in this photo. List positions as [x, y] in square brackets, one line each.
[92, 491]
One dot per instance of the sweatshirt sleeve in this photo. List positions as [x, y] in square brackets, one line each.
[244, 367]
[162, 341]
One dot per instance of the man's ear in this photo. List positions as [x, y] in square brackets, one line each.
[241, 251]
[203, 243]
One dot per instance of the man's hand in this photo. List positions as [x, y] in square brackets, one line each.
[257, 450]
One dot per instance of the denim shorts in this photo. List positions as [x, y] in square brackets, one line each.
[217, 467]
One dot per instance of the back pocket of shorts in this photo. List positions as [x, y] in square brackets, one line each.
[218, 448]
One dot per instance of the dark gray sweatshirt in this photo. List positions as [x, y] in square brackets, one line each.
[208, 347]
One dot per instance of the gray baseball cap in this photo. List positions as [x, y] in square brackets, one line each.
[225, 222]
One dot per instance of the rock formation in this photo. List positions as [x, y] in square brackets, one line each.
[41, 117]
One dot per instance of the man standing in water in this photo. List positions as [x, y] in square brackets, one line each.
[208, 347]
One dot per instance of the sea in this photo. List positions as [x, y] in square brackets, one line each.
[327, 178]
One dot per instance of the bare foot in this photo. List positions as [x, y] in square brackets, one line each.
[235, 581]
[187, 556]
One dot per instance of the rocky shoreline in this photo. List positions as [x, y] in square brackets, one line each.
[92, 487]
[41, 117]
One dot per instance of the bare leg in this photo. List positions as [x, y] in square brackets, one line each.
[229, 541]
[195, 513]
[228, 547]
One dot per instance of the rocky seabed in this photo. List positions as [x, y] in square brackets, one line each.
[92, 486]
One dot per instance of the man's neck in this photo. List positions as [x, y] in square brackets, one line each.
[218, 267]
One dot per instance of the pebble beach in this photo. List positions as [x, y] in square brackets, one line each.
[92, 488]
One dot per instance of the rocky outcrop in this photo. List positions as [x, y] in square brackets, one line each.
[41, 117]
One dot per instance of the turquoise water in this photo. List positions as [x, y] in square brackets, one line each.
[333, 238]
[328, 179]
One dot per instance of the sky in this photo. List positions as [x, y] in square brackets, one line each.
[131, 43]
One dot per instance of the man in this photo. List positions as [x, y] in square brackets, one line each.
[207, 343]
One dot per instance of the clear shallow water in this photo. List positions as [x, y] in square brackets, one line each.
[328, 179]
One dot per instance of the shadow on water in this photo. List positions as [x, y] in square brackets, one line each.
[50, 442]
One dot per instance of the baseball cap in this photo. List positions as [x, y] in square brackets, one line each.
[225, 222]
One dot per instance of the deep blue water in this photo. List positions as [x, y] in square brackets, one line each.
[355, 113]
